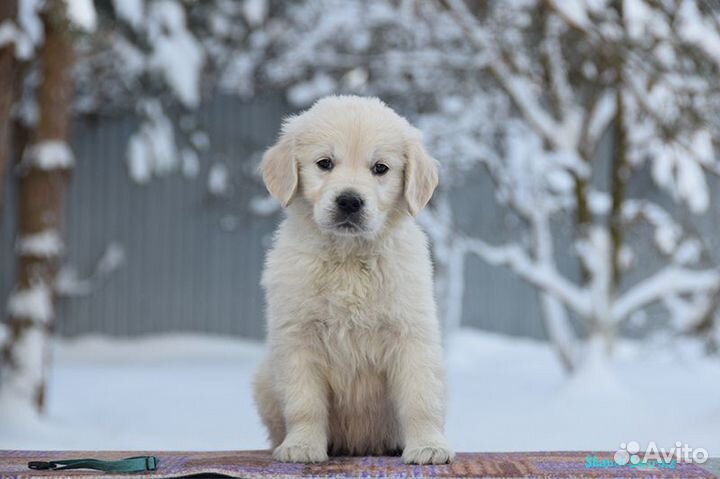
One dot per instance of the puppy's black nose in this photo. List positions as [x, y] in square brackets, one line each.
[349, 202]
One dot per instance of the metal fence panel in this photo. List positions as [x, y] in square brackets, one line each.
[188, 268]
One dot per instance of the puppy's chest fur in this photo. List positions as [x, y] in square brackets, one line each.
[352, 297]
[350, 289]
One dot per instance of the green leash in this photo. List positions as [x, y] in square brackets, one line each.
[130, 464]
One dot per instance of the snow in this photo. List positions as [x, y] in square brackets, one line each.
[688, 252]
[264, 205]
[255, 11]
[20, 381]
[69, 283]
[669, 280]
[679, 168]
[575, 11]
[10, 33]
[139, 163]
[112, 259]
[675, 170]
[131, 58]
[131, 11]
[31, 25]
[34, 302]
[200, 140]
[542, 275]
[355, 79]
[82, 14]
[45, 244]
[190, 162]
[152, 150]
[176, 52]
[696, 29]
[49, 155]
[303, 94]
[183, 392]
[218, 180]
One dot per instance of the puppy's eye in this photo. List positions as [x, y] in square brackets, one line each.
[380, 169]
[325, 164]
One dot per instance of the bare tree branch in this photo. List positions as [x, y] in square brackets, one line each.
[544, 277]
[668, 281]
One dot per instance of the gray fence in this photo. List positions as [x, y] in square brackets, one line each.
[193, 260]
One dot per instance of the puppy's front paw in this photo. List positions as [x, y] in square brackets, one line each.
[428, 453]
[300, 451]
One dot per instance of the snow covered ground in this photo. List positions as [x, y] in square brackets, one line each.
[189, 392]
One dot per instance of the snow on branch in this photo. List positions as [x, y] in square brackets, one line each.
[574, 12]
[688, 314]
[69, 283]
[543, 276]
[601, 115]
[45, 244]
[177, 54]
[27, 33]
[10, 33]
[523, 92]
[34, 303]
[131, 11]
[152, 149]
[82, 14]
[671, 280]
[49, 155]
[28, 360]
[255, 11]
[557, 66]
[701, 31]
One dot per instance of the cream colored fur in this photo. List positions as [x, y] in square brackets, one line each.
[354, 363]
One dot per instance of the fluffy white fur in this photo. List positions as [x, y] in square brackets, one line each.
[354, 363]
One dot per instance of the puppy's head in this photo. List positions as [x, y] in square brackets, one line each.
[352, 160]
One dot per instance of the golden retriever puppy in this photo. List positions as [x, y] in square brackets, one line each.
[354, 363]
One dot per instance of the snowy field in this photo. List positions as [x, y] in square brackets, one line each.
[187, 392]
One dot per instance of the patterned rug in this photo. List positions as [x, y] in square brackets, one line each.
[259, 464]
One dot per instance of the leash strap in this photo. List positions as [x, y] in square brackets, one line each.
[130, 464]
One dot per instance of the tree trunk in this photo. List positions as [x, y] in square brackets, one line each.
[554, 315]
[44, 173]
[8, 65]
[619, 170]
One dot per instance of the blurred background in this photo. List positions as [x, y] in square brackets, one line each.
[575, 232]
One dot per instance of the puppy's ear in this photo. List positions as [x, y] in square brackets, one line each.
[421, 175]
[280, 170]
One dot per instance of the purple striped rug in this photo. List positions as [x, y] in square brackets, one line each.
[259, 464]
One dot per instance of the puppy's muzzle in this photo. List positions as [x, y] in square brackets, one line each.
[349, 208]
[349, 203]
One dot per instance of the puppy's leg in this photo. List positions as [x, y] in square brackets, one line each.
[418, 392]
[305, 408]
[268, 404]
